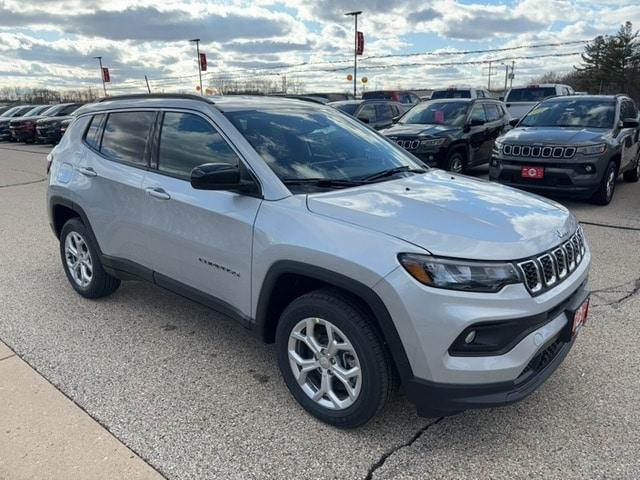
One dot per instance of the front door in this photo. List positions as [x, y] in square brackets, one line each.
[200, 238]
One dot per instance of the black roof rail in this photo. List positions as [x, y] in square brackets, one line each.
[135, 96]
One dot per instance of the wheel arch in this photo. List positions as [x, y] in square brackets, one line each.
[286, 280]
[62, 210]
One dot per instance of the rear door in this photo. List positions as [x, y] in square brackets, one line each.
[495, 127]
[202, 239]
[111, 174]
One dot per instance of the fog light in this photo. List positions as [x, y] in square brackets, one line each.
[588, 168]
[471, 336]
[430, 158]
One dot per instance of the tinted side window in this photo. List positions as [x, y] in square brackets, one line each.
[384, 111]
[478, 114]
[627, 110]
[492, 112]
[125, 136]
[187, 141]
[94, 131]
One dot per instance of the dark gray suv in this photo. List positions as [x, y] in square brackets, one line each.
[571, 146]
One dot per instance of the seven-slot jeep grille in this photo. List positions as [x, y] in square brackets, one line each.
[538, 151]
[547, 270]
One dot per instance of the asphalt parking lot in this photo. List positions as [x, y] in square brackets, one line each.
[197, 397]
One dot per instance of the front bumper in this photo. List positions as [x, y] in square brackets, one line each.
[434, 399]
[429, 321]
[48, 133]
[563, 178]
[22, 133]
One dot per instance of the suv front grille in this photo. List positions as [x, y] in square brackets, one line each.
[547, 270]
[410, 144]
[538, 151]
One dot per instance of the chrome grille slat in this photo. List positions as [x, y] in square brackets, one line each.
[552, 267]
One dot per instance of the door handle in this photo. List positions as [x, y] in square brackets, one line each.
[87, 171]
[159, 193]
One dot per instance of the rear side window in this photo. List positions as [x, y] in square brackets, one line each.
[125, 136]
[187, 141]
[92, 136]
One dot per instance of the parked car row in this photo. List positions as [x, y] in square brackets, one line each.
[35, 123]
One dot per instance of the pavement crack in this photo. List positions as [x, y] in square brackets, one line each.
[615, 289]
[7, 357]
[374, 467]
[23, 183]
[608, 225]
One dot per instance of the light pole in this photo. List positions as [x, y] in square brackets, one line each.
[197, 42]
[355, 48]
[104, 86]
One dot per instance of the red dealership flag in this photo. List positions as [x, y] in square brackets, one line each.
[105, 75]
[360, 43]
[203, 62]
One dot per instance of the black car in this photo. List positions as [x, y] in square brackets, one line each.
[48, 128]
[376, 113]
[572, 145]
[451, 134]
[6, 117]
[24, 129]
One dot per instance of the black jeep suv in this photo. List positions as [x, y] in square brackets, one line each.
[452, 134]
[574, 145]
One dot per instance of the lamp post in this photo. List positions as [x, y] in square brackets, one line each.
[197, 42]
[104, 86]
[355, 48]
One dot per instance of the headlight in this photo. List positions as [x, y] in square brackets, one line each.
[498, 145]
[463, 275]
[432, 142]
[592, 149]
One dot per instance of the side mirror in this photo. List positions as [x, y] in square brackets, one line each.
[630, 123]
[221, 176]
[514, 121]
[395, 119]
[476, 122]
[501, 99]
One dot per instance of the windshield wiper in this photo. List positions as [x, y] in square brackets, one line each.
[392, 171]
[321, 182]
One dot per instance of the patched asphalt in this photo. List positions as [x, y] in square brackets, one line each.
[198, 397]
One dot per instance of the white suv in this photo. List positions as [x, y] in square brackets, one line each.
[318, 234]
[519, 100]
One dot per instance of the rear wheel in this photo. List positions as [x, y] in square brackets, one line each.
[332, 359]
[455, 162]
[633, 174]
[81, 262]
[607, 187]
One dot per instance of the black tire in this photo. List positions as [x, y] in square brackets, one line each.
[101, 283]
[604, 195]
[377, 374]
[633, 175]
[456, 161]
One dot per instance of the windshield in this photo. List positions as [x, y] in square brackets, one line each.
[10, 112]
[450, 94]
[36, 110]
[439, 113]
[533, 94]
[574, 113]
[349, 108]
[301, 143]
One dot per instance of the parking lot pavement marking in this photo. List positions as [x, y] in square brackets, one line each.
[45, 435]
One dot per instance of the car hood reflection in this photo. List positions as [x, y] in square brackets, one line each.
[452, 215]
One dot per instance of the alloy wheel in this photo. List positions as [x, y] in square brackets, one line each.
[78, 258]
[324, 363]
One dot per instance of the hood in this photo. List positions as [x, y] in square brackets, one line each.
[452, 215]
[44, 120]
[555, 135]
[414, 129]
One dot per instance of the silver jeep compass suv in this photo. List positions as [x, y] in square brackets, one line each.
[316, 233]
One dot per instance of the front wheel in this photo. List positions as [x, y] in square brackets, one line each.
[332, 359]
[455, 162]
[607, 186]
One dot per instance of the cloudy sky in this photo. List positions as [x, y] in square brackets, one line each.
[52, 42]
